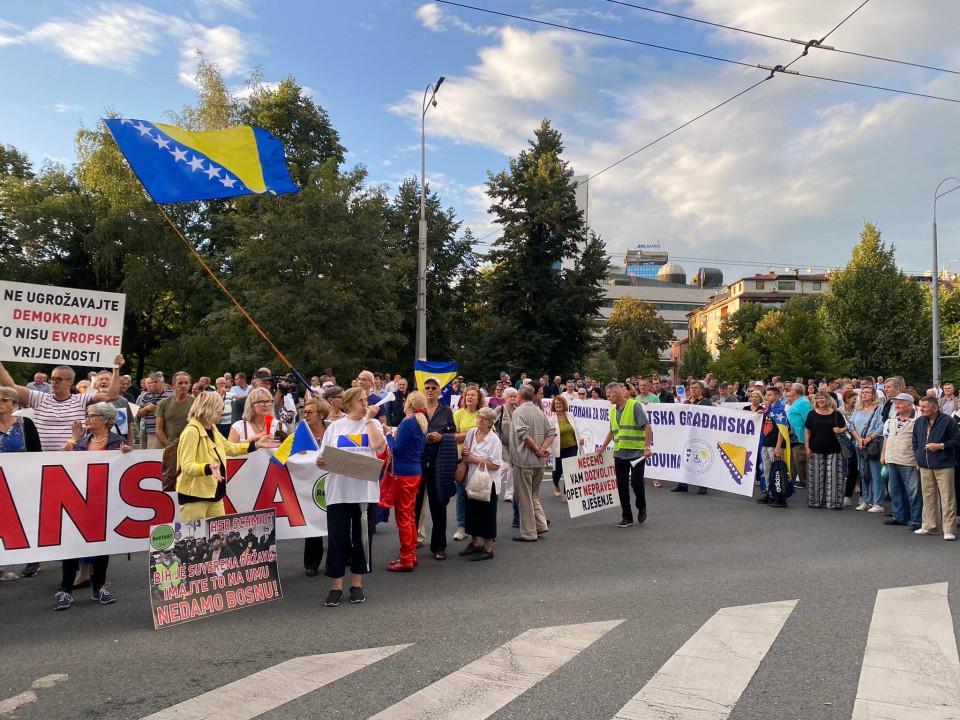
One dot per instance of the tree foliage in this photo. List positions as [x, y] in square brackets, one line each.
[697, 359]
[876, 315]
[545, 284]
[739, 326]
[639, 322]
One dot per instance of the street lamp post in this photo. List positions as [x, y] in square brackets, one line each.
[422, 244]
[936, 272]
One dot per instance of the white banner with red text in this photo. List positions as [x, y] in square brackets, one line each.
[62, 505]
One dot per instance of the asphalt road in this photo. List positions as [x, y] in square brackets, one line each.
[695, 555]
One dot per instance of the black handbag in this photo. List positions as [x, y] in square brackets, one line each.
[873, 448]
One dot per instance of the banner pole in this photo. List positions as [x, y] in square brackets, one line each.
[213, 276]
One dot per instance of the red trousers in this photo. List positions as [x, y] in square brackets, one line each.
[404, 508]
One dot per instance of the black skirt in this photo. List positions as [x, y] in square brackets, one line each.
[481, 517]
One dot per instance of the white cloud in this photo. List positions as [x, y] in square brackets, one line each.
[117, 36]
[66, 107]
[787, 173]
[223, 45]
[432, 17]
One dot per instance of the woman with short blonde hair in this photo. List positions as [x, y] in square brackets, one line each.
[202, 458]
[258, 405]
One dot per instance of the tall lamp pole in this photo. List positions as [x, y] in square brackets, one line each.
[935, 290]
[422, 245]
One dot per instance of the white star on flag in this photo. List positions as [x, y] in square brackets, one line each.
[178, 154]
[196, 163]
[124, 121]
[212, 171]
[228, 181]
[160, 141]
[144, 130]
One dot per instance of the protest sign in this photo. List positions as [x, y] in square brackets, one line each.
[60, 505]
[706, 446]
[591, 416]
[352, 465]
[698, 445]
[590, 483]
[53, 325]
[203, 568]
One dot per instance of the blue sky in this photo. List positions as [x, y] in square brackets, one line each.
[784, 176]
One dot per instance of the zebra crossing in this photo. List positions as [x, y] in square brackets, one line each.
[910, 669]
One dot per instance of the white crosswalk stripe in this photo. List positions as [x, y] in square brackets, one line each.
[704, 679]
[268, 689]
[484, 686]
[910, 667]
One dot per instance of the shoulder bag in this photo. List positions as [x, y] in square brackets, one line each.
[872, 449]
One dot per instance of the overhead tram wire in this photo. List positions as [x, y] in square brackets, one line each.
[818, 45]
[774, 69]
[480, 241]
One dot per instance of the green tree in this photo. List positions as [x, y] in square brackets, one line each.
[629, 358]
[637, 320]
[452, 277]
[545, 285]
[600, 365]
[739, 326]
[799, 344]
[740, 362]
[696, 360]
[949, 329]
[875, 314]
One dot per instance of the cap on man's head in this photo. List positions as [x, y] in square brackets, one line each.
[432, 379]
[906, 397]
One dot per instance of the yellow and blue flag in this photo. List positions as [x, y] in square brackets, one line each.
[177, 165]
[444, 372]
[299, 440]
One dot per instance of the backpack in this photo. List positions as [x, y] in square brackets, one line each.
[170, 467]
[779, 484]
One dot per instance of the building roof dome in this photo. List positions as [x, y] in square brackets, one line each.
[672, 273]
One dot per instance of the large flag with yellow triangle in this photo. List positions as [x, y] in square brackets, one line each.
[177, 165]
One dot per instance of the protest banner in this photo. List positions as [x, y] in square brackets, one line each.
[197, 571]
[349, 464]
[590, 483]
[698, 445]
[591, 416]
[54, 325]
[60, 505]
[707, 446]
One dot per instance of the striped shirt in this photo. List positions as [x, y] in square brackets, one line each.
[54, 418]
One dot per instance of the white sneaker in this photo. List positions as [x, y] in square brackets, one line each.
[863, 506]
[847, 502]
[459, 534]
[949, 536]
[876, 508]
[922, 531]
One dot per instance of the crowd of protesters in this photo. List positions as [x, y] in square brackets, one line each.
[877, 440]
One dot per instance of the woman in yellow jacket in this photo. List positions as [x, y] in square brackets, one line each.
[202, 458]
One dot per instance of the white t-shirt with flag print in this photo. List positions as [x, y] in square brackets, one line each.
[352, 436]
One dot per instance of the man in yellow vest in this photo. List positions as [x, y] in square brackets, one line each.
[632, 437]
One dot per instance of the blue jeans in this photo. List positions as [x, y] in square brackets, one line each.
[461, 504]
[906, 501]
[872, 489]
